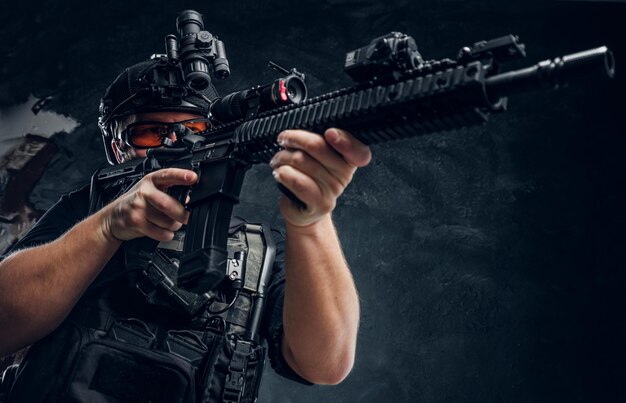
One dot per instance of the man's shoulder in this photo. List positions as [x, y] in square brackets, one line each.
[75, 202]
[80, 195]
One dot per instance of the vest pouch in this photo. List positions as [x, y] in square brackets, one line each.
[124, 368]
[47, 364]
[225, 371]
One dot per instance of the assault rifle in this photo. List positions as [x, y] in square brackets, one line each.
[397, 94]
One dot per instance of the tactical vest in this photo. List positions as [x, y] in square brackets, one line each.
[96, 356]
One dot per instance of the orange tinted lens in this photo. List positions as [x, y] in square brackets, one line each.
[146, 136]
[197, 127]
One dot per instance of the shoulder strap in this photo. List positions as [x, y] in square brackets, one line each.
[258, 270]
[259, 265]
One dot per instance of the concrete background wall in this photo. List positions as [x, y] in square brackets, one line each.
[489, 261]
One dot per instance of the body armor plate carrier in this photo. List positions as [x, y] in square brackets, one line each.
[95, 356]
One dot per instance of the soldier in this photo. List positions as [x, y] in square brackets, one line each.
[65, 286]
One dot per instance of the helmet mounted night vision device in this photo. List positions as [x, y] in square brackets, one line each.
[177, 81]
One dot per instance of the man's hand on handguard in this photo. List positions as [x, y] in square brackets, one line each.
[147, 210]
[316, 169]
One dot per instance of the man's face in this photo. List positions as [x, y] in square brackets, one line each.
[124, 152]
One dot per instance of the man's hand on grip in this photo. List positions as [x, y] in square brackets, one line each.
[147, 210]
[316, 169]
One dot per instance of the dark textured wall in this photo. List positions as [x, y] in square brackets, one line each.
[490, 261]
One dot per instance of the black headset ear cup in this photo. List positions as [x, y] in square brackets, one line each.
[107, 138]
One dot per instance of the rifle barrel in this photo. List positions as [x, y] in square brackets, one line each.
[554, 73]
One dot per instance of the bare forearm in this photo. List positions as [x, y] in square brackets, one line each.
[321, 312]
[39, 286]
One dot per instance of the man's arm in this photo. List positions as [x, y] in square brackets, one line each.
[39, 286]
[321, 308]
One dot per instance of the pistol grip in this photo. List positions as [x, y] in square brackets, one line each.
[179, 193]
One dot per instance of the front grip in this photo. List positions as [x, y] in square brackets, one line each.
[291, 196]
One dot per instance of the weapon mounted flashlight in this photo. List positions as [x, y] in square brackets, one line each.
[287, 90]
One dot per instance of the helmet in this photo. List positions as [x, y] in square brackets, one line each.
[151, 86]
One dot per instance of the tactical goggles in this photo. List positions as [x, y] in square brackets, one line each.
[150, 134]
